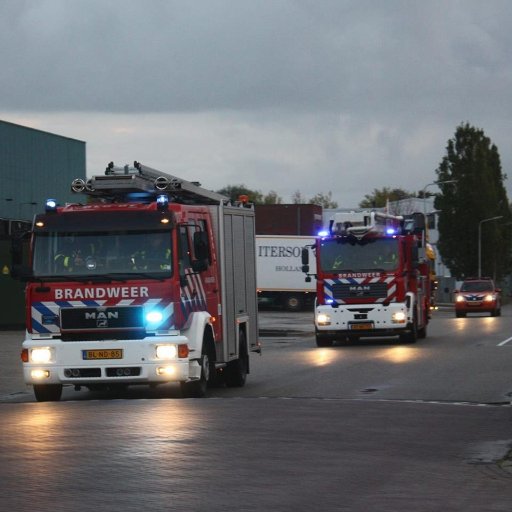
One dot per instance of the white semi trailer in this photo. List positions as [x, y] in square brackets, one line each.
[280, 280]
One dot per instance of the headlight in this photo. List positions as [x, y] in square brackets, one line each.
[41, 355]
[399, 317]
[166, 351]
[489, 298]
[459, 298]
[323, 319]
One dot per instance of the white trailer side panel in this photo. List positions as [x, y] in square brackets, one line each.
[279, 264]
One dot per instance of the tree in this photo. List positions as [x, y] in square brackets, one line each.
[324, 200]
[298, 198]
[478, 194]
[272, 198]
[380, 197]
[235, 191]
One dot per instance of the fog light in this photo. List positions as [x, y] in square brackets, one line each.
[39, 374]
[166, 370]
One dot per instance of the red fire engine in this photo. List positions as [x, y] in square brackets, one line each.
[373, 277]
[152, 280]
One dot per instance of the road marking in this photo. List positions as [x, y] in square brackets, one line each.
[504, 342]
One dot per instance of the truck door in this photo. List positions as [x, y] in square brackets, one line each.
[200, 288]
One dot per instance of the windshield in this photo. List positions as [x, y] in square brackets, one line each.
[101, 253]
[476, 286]
[342, 254]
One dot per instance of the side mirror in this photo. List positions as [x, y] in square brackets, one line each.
[305, 256]
[305, 259]
[19, 270]
[415, 259]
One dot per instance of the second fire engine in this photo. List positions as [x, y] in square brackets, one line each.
[373, 277]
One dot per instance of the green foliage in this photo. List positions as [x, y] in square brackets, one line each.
[235, 191]
[324, 200]
[380, 197]
[272, 198]
[478, 194]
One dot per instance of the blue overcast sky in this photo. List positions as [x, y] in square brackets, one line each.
[283, 95]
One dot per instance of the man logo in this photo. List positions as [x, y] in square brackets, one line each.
[359, 290]
[102, 317]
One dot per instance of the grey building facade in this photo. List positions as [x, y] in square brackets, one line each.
[34, 166]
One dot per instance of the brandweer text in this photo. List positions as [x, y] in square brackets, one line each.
[120, 292]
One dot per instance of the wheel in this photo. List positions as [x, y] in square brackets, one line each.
[293, 302]
[237, 370]
[412, 335]
[460, 314]
[47, 392]
[197, 388]
[322, 341]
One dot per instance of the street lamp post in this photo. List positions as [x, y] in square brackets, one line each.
[480, 241]
[424, 189]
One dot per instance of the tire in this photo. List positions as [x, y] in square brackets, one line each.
[48, 392]
[237, 370]
[460, 314]
[293, 302]
[412, 335]
[197, 388]
[322, 341]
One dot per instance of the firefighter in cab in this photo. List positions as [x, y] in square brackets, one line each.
[156, 254]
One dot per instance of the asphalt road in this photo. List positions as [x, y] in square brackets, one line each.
[376, 426]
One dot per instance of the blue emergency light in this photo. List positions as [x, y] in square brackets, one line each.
[162, 202]
[51, 205]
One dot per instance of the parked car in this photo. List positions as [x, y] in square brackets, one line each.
[477, 295]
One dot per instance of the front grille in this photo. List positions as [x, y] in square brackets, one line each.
[128, 371]
[77, 373]
[354, 291]
[101, 318]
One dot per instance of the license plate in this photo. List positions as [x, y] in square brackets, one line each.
[361, 326]
[108, 353]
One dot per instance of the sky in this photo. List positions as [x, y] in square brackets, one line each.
[309, 96]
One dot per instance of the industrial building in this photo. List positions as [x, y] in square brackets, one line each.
[34, 166]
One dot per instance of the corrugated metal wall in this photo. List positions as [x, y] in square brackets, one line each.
[34, 166]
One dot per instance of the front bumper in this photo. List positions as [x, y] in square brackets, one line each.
[135, 363]
[362, 320]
